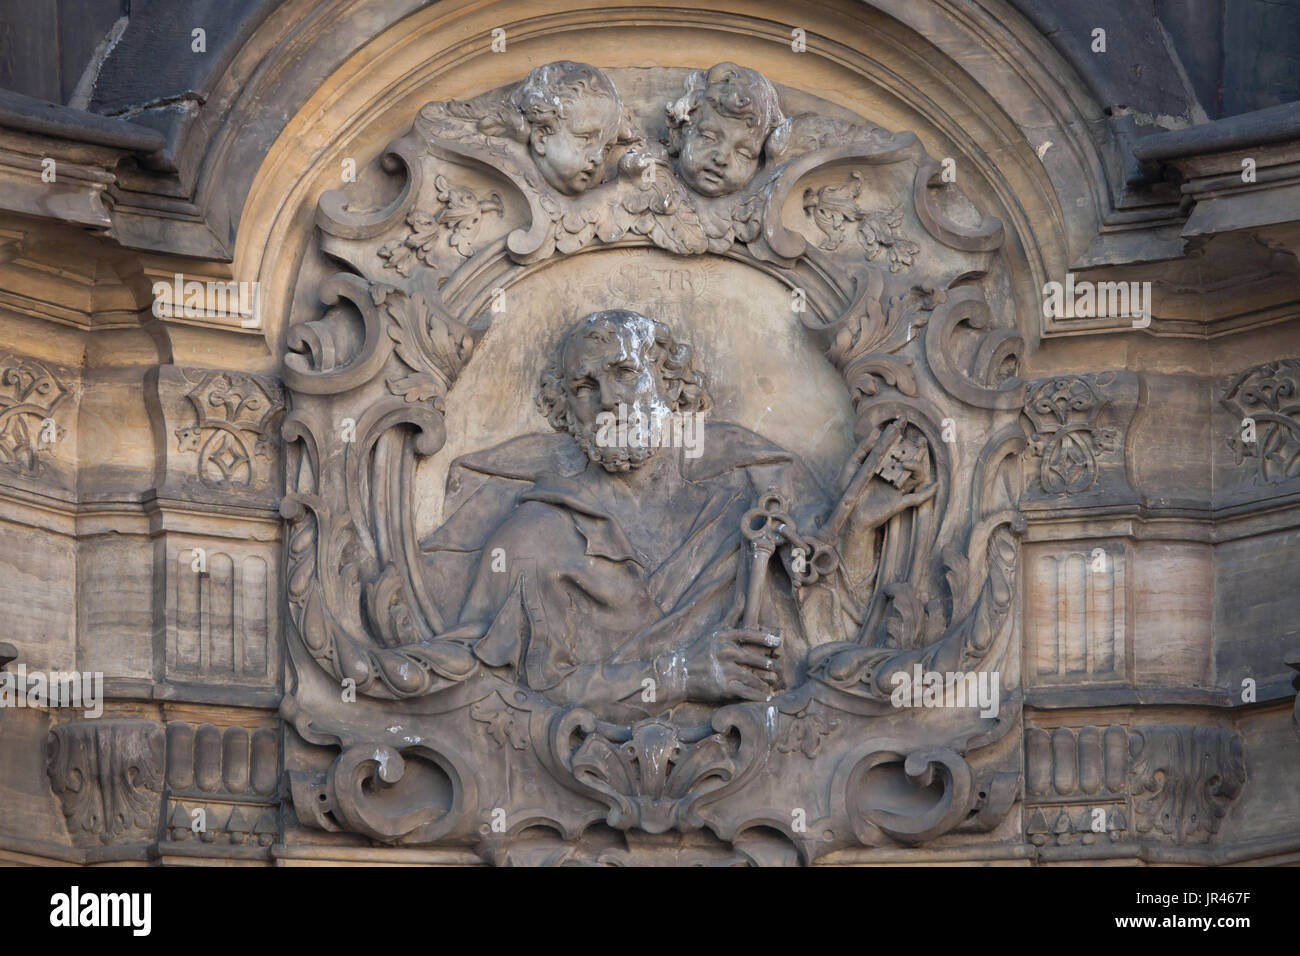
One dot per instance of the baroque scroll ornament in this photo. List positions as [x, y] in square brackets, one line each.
[656, 642]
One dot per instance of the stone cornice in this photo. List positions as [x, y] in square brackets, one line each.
[30, 115]
[136, 514]
[1145, 523]
[1275, 125]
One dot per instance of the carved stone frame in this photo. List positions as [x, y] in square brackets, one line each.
[350, 535]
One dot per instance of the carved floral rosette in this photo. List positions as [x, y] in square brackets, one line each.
[895, 268]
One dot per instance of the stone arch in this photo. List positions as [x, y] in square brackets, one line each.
[906, 66]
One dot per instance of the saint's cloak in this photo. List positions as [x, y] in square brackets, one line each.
[568, 607]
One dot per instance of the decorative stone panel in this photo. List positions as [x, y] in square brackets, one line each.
[219, 434]
[38, 402]
[222, 784]
[222, 611]
[844, 235]
[1258, 427]
[108, 776]
[1077, 427]
[1169, 783]
[1076, 620]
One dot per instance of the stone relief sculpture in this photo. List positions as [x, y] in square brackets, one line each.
[634, 569]
[234, 416]
[568, 114]
[29, 394]
[634, 636]
[108, 776]
[1168, 783]
[1262, 401]
[1076, 427]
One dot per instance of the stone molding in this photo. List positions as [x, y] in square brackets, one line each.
[1164, 784]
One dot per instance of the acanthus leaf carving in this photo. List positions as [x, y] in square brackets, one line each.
[1184, 779]
[108, 776]
[655, 775]
[457, 221]
[429, 341]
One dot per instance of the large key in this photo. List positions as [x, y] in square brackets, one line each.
[884, 460]
[765, 527]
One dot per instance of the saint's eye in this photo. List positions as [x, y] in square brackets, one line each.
[744, 154]
[582, 388]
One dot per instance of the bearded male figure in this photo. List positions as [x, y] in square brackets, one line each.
[617, 577]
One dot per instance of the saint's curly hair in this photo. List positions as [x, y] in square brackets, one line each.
[684, 385]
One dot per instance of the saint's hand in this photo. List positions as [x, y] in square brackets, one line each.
[732, 663]
[884, 499]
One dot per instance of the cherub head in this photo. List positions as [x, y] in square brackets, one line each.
[569, 114]
[720, 126]
[612, 358]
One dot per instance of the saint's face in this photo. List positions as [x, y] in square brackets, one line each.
[719, 153]
[572, 156]
[612, 374]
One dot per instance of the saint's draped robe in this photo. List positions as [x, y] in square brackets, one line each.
[565, 604]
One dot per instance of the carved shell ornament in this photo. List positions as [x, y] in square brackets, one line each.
[910, 565]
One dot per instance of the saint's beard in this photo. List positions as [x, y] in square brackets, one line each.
[612, 458]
